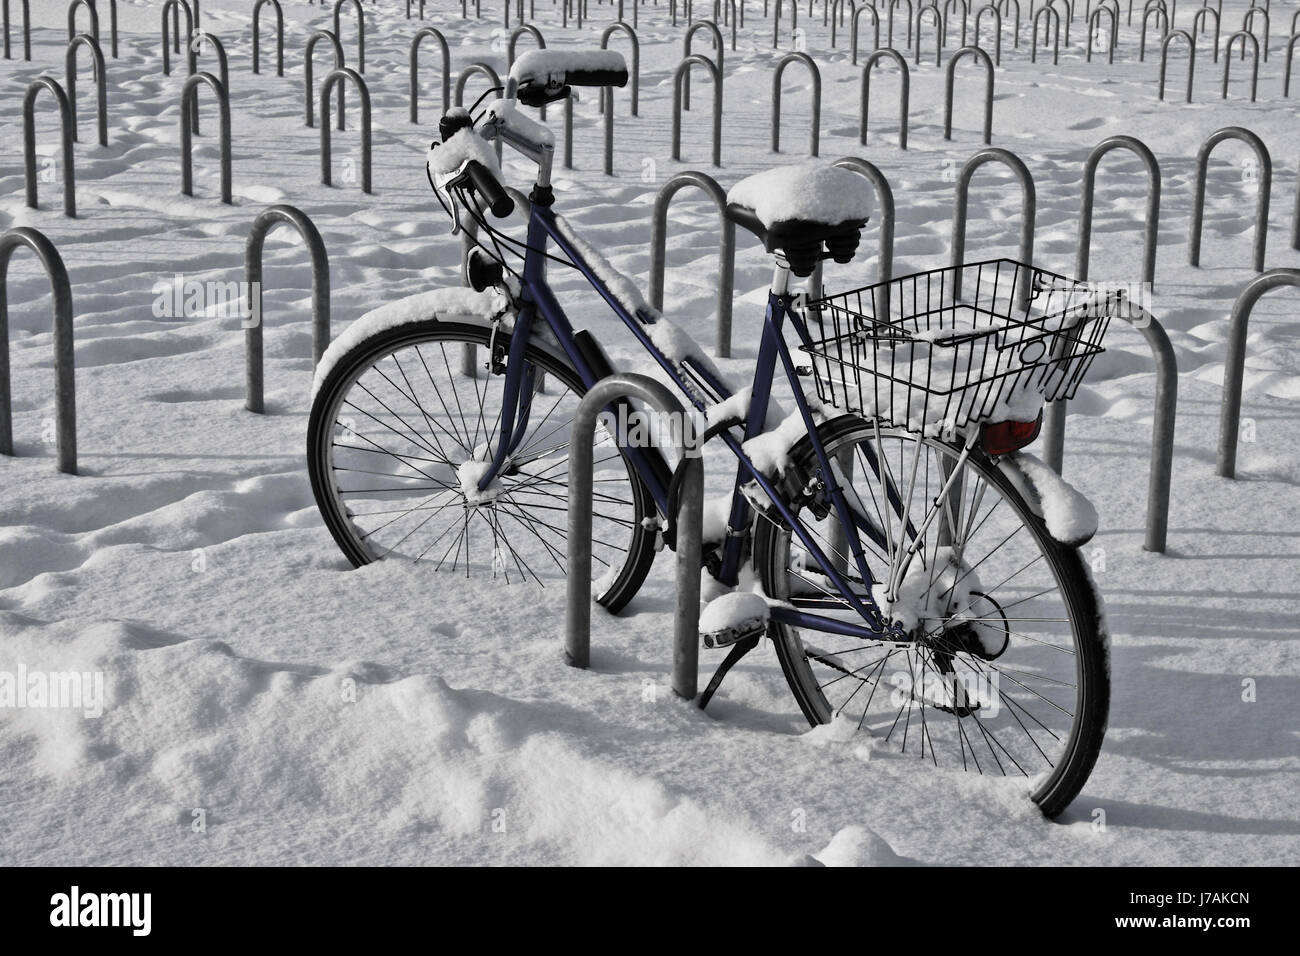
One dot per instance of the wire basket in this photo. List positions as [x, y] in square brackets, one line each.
[989, 341]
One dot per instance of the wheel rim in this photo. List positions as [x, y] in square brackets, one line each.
[955, 696]
[404, 437]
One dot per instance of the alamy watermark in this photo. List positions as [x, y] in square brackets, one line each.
[1133, 301]
[637, 428]
[182, 298]
[62, 690]
[133, 911]
[977, 690]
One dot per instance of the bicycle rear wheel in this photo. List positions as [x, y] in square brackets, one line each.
[1004, 671]
[401, 431]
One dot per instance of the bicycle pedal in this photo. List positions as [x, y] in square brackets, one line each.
[732, 618]
[734, 634]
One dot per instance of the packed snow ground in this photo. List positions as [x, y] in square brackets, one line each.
[319, 714]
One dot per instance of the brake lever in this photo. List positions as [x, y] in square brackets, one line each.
[456, 227]
[448, 186]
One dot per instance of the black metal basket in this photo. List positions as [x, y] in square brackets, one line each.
[989, 341]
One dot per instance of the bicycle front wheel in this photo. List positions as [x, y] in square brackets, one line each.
[402, 430]
[1004, 667]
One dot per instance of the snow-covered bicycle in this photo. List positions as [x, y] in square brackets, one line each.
[917, 572]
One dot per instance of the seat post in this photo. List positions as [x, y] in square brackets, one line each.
[780, 275]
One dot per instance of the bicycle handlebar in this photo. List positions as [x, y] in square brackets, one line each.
[487, 186]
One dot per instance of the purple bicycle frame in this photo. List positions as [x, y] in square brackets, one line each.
[537, 299]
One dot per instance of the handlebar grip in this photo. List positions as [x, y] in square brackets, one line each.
[588, 76]
[487, 186]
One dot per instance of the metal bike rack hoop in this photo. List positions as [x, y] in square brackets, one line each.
[361, 29]
[338, 77]
[1235, 362]
[605, 37]
[1264, 184]
[854, 23]
[267, 220]
[726, 248]
[1170, 36]
[27, 31]
[279, 36]
[66, 123]
[177, 7]
[309, 90]
[950, 80]
[814, 144]
[686, 636]
[679, 76]
[65, 401]
[189, 98]
[100, 77]
[1028, 210]
[438, 38]
[904, 92]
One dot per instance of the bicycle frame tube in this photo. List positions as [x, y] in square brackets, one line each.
[537, 300]
[772, 347]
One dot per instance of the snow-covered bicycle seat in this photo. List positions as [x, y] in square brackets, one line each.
[795, 210]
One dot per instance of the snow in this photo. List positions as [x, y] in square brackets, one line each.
[859, 846]
[770, 451]
[625, 289]
[916, 597]
[250, 673]
[737, 610]
[717, 509]
[469, 474]
[606, 580]
[735, 407]
[464, 145]
[931, 383]
[1070, 517]
[447, 303]
[813, 192]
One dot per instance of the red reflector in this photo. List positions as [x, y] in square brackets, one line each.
[1001, 438]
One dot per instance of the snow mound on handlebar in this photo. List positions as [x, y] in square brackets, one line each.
[816, 191]
[436, 304]
[465, 144]
[551, 67]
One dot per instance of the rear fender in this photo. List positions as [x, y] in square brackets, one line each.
[1070, 518]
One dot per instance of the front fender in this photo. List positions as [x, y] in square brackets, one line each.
[449, 304]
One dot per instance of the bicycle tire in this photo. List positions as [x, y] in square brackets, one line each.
[1052, 789]
[612, 591]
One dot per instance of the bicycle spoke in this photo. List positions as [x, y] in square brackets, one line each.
[438, 392]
